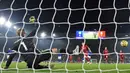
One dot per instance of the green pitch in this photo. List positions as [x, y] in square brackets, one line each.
[72, 68]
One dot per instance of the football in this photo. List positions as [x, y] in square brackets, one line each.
[124, 43]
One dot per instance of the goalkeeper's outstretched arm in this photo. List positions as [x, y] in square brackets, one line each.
[32, 34]
[9, 60]
[12, 55]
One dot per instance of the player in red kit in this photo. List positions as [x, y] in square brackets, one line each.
[85, 49]
[105, 52]
[121, 54]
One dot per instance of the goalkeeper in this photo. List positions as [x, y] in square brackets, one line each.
[30, 54]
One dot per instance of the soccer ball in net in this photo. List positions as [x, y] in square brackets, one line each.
[124, 43]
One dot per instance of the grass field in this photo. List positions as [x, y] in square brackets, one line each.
[71, 67]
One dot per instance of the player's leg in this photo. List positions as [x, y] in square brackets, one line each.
[87, 58]
[70, 58]
[30, 60]
[106, 58]
[44, 57]
[79, 59]
[122, 60]
[41, 58]
[33, 62]
[36, 66]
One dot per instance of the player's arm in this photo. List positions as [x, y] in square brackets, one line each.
[15, 48]
[89, 49]
[33, 33]
[10, 60]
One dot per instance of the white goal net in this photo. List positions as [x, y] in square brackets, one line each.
[64, 36]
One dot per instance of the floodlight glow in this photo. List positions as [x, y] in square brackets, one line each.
[43, 34]
[2, 20]
[8, 24]
[54, 35]
[15, 27]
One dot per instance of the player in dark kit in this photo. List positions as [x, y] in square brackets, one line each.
[30, 54]
[105, 52]
[121, 54]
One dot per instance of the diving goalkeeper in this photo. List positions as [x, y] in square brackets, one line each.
[30, 54]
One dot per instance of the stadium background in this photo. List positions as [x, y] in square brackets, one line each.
[92, 43]
[62, 16]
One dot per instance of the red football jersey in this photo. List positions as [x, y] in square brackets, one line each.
[121, 55]
[84, 48]
[105, 52]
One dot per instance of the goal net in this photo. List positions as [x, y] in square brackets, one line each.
[64, 36]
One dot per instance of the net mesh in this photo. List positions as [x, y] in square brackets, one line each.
[69, 16]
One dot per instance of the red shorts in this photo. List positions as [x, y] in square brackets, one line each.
[121, 58]
[106, 57]
[70, 57]
[85, 54]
